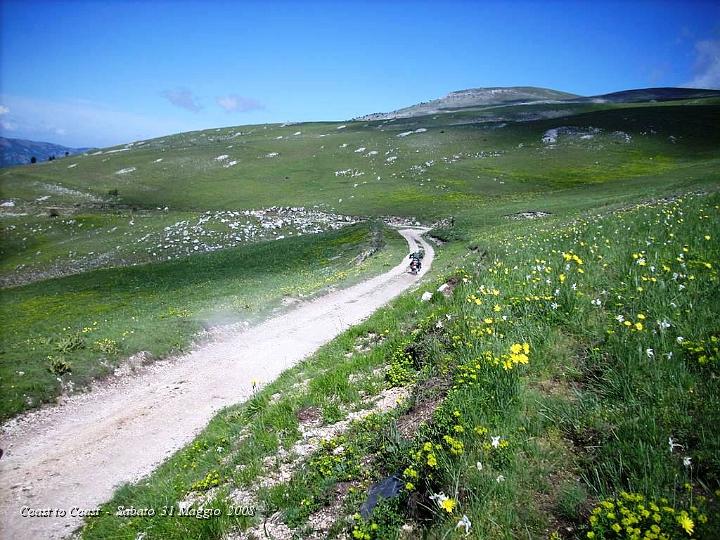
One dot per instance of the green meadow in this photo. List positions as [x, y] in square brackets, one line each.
[566, 388]
[563, 386]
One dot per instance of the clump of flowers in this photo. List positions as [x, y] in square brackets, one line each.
[336, 459]
[637, 326]
[426, 456]
[106, 345]
[58, 365]
[69, 342]
[455, 446]
[401, 371]
[444, 502]
[518, 354]
[571, 257]
[703, 351]
[211, 480]
[633, 516]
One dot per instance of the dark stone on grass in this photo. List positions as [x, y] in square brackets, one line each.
[387, 489]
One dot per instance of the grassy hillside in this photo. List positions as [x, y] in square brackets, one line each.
[565, 388]
[460, 154]
[115, 206]
[60, 334]
[570, 378]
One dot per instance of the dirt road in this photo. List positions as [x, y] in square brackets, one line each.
[73, 456]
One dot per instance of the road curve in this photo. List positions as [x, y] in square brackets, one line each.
[75, 454]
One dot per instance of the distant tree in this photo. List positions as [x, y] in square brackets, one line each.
[51, 158]
[67, 154]
[113, 192]
[33, 159]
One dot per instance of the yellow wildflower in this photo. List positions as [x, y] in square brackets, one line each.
[448, 505]
[686, 523]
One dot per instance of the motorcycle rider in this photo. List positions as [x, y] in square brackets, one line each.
[415, 259]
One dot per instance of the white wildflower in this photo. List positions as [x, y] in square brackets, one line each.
[673, 444]
[464, 522]
[664, 324]
[439, 498]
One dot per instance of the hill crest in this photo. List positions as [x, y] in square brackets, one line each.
[513, 95]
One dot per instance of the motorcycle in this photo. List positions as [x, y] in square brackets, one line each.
[414, 266]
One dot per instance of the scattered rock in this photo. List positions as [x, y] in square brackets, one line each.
[448, 287]
[273, 528]
[551, 136]
[132, 363]
[309, 416]
[530, 214]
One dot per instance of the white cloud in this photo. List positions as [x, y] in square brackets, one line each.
[183, 98]
[707, 64]
[4, 109]
[235, 103]
[7, 126]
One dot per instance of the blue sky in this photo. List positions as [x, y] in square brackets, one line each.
[98, 73]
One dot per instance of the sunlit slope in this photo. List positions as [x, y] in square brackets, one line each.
[420, 166]
[475, 97]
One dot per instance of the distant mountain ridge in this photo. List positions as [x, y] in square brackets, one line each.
[495, 96]
[657, 94]
[21, 151]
